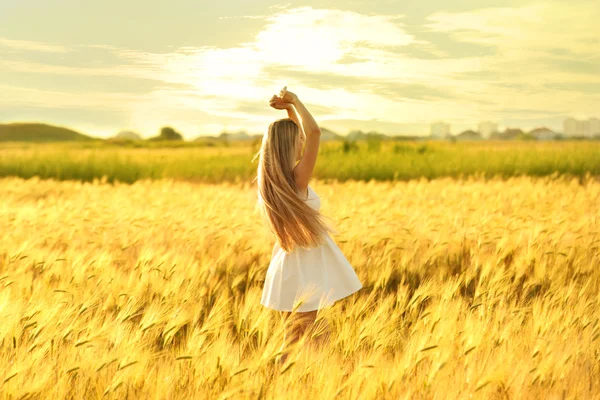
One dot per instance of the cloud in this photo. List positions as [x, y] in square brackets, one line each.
[460, 66]
[587, 87]
[31, 97]
[342, 62]
[572, 25]
[25, 45]
[528, 35]
[317, 38]
[537, 45]
[383, 87]
[119, 70]
[243, 17]
[259, 107]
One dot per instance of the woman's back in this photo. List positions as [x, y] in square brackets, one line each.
[313, 199]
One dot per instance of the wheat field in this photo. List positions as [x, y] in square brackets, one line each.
[472, 289]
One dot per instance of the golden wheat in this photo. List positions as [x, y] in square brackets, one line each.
[472, 288]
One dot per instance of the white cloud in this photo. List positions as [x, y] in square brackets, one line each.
[539, 25]
[14, 96]
[303, 39]
[526, 36]
[120, 70]
[345, 44]
[316, 39]
[244, 17]
[32, 46]
[526, 40]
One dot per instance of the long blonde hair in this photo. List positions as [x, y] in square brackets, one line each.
[293, 222]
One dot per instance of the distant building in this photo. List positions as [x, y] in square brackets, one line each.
[585, 128]
[582, 128]
[570, 126]
[594, 126]
[487, 129]
[468, 135]
[543, 133]
[440, 130]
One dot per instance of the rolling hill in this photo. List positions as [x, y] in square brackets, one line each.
[35, 132]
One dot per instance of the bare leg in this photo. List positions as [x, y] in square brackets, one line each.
[294, 326]
[300, 323]
[322, 331]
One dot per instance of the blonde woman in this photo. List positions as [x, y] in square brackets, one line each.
[307, 271]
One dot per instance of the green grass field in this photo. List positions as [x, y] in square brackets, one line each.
[381, 161]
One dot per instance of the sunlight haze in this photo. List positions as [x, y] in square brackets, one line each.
[204, 67]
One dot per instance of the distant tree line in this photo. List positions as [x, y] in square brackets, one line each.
[167, 133]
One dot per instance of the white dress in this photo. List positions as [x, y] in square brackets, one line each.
[319, 276]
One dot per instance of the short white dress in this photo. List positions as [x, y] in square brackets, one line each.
[317, 277]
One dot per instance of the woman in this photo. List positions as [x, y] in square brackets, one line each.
[308, 271]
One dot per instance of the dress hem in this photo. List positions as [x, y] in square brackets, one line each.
[330, 303]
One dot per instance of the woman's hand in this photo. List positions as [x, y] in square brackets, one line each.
[287, 96]
[279, 104]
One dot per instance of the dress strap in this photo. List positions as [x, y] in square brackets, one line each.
[307, 193]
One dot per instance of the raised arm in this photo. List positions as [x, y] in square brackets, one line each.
[293, 115]
[306, 165]
[308, 127]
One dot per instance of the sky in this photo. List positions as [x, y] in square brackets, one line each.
[204, 67]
